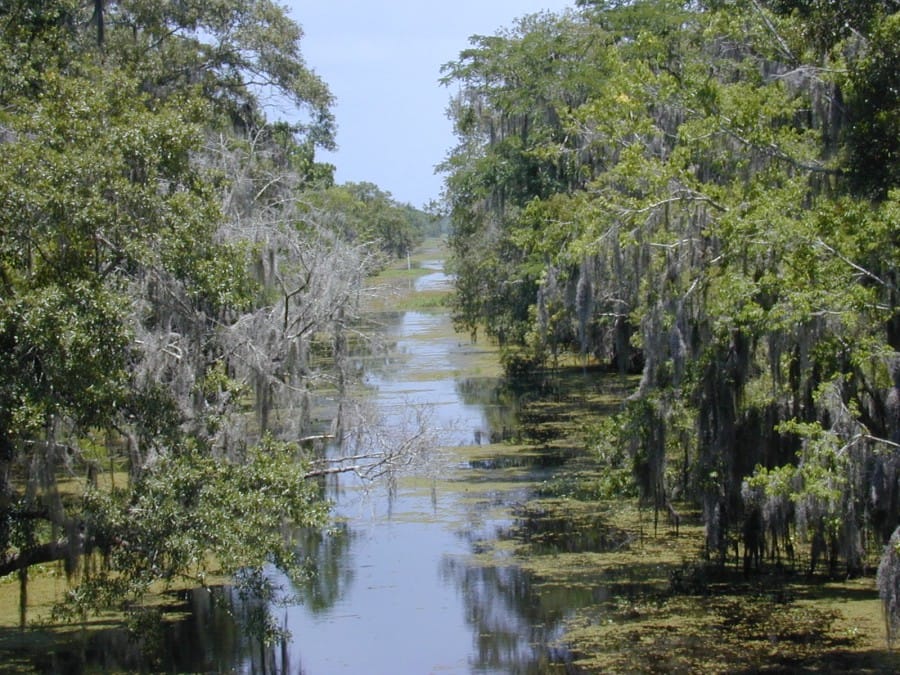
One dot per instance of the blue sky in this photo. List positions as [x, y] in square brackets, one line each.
[382, 62]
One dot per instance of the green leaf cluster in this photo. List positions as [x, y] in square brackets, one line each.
[362, 212]
[705, 193]
[148, 217]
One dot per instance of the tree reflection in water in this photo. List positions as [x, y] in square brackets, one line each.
[213, 634]
[326, 555]
[516, 626]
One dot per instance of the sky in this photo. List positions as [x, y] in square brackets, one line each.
[382, 60]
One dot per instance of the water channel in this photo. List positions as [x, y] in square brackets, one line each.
[400, 587]
[484, 559]
[410, 599]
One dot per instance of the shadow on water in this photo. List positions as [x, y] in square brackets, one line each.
[518, 461]
[544, 406]
[516, 625]
[211, 634]
[548, 531]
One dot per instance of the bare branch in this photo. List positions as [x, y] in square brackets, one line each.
[862, 270]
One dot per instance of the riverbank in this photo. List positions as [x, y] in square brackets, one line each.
[640, 598]
[631, 597]
[644, 600]
[502, 557]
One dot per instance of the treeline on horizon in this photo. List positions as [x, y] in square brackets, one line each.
[706, 194]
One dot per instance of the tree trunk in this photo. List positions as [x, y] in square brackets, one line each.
[49, 552]
[98, 17]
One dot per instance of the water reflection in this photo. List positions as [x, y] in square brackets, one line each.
[407, 596]
[436, 279]
[218, 634]
[396, 588]
[516, 626]
[499, 404]
[326, 555]
[404, 592]
[213, 635]
[423, 369]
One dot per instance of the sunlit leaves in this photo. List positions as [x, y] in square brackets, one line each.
[96, 178]
[232, 52]
[362, 212]
[192, 515]
[119, 284]
[715, 222]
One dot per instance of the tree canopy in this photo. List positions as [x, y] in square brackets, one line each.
[704, 193]
[166, 296]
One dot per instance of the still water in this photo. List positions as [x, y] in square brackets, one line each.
[400, 586]
[410, 598]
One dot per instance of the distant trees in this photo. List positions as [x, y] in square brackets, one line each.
[363, 213]
[703, 193]
[169, 303]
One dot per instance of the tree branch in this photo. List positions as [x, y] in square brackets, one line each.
[862, 270]
[785, 50]
[50, 552]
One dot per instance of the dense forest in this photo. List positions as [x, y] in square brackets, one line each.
[706, 194]
[178, 275]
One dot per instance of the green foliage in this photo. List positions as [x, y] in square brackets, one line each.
[193, 513]
[83, 210]
[135, 337]
[692, 194]
[825, 24]
[220, 47]
[617, 479]
[874, 103]
[361, 212]
[68, 350]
